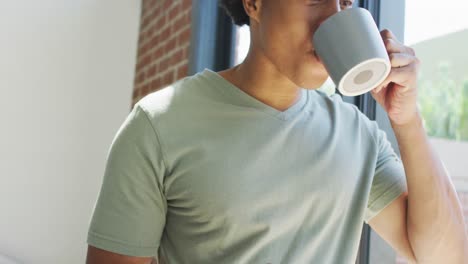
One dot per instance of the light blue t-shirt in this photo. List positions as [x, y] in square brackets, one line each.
[202, 172]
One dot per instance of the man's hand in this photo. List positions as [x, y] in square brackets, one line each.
[398, 93]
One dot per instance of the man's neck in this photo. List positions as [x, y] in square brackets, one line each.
[260, 79]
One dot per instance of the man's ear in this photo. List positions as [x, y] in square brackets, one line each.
[252, 8]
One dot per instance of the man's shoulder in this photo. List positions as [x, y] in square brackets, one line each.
[180, 96]
[181, 104]
[160, 101]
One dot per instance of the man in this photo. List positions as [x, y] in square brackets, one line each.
[254, 165]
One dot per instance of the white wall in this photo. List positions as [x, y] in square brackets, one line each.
[66, 77]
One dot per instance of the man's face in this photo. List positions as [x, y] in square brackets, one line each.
[284, 35]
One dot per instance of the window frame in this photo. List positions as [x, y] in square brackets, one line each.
[367, 105]
[212, 37]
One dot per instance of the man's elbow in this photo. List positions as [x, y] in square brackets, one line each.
[100, 256]
[454, 251]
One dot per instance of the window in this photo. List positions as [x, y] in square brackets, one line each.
[438, 32]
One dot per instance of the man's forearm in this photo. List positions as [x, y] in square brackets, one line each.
[435, 221]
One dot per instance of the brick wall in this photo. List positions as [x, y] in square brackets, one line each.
[163, 45]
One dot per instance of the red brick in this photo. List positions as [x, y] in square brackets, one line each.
[151, 71]
[159, 23]
[140, 77]
[147, 3]
[186, 4]
[166, 33]
[184, 36]
[175, 10]
[167, 4]
[164, 64]
[154, 42]
[188, 16]
[155, 84]
[157, 54]
[138, 86]
[145, 22]
[186, 51]
[154, 12]
[170, 45]
[144, 49]
[168, 78]
[163, 43]
[146, 89]
[182, 71]
[157, 68]
[153, 4]
[136, 93]
[145, 13]
[177, 57]
[178, 24]
[148, 34]
[159, 2]
[143, 37]
[143, 62]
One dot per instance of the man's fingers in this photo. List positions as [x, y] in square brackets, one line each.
[387, 33]
[403, 66]
[400, 59]
[392, 44]
[401, 76]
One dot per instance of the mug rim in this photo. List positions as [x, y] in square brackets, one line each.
[363, 91]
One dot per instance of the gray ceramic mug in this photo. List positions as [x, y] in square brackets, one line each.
[350, 46]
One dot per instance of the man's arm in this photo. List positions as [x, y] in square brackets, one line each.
[426, 224]
[130, 213]
[390, 224]
[99, 256]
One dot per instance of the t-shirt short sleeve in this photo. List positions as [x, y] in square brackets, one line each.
[389, 180]
[130, 212]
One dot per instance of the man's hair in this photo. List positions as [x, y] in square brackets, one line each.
[235, 9]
